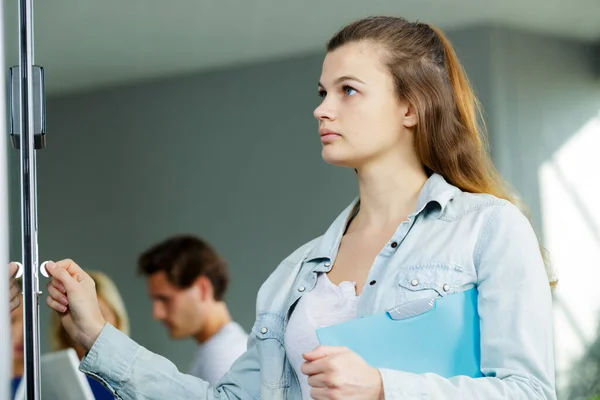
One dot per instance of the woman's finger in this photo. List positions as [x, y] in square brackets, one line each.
[317, 381]
[64, 276]
[14, 303]
[71, 268]
[319, 394]
[57, 295]
[56, 306]
[56, 283]
[314, 367]
[14, 290]
[12, 269]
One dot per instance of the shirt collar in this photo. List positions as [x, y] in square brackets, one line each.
[435, 190]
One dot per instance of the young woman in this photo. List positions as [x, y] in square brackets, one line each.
[432, 219]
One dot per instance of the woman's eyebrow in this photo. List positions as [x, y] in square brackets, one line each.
[344, 78]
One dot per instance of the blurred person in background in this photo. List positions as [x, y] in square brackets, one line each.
[18, 347]
[187, 281]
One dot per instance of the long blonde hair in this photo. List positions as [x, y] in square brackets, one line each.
[108, 292]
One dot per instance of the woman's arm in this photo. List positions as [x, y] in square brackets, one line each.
[515, 308]
[130, 371]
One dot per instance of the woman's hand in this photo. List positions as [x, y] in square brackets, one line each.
[337, 373]
[72, 293]
[14, 290]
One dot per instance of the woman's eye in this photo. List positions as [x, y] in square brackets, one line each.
[349, 91]
[322, 94]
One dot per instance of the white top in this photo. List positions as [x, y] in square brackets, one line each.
[215, 356]
[327, 304]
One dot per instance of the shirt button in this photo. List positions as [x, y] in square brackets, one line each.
[394, 245]
[414, 282]
[372, 282]
[301, 289]
[264, 330]
[446, 287]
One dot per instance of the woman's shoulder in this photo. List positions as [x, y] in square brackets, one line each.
[486, 216]
[484, 206]
[277, 285]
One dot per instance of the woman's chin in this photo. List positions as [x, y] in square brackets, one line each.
[336, 158]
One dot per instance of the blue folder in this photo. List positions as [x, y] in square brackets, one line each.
[439, 336]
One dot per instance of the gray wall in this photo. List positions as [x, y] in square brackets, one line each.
[233, 156]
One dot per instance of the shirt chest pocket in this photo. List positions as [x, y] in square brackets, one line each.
[431, 280]
[268, 333]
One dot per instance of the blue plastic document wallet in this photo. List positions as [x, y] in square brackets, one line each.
[439, 335]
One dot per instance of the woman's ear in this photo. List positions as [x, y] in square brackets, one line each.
[409, 115]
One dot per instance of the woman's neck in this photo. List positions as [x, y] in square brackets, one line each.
[387, 195]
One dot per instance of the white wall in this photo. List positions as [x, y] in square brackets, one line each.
[546, 136]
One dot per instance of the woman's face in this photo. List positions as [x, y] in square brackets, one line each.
[361, 118]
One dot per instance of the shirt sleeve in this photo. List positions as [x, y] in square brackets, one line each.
[132, 372]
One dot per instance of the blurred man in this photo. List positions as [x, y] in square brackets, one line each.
[187, 281]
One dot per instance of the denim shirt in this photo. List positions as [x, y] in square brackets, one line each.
[452, 242]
